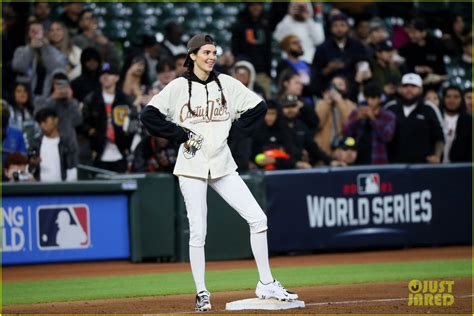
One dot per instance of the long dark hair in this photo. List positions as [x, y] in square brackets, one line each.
[462, 105]
[187, 75]
[29, 103]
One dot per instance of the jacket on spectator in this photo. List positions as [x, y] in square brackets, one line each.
[88, 81]
[302, 139]
[329, 114]
[25, 62]
[461, 149]
[95, 120]
[252, 41]
[383, 129]
[310, 32]
[415, 135]
[429, 55]
[275, 137]
[69, 114]
[352, 53]
[67, 156]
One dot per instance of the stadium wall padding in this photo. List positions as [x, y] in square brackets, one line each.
[142, 217]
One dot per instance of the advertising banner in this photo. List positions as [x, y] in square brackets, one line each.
[362, 207]
[38, 229]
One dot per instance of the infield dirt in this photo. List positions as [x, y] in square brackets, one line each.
[388, 297]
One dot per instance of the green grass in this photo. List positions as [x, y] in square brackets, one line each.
[29, 292]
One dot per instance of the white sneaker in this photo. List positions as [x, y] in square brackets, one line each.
[274, 290]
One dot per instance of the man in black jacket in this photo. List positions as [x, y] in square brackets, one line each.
[307, 152]
[104, 116]
[251, 41]
[418, 134]
[340, 54]
[52, 157]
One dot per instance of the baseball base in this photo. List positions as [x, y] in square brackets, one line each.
[256, 303]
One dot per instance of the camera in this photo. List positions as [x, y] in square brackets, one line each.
[32, 152]
[19, 176]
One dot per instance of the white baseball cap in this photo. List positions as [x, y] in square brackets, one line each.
[412, 79]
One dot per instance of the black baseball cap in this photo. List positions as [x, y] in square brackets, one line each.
[110, 68]
[418, 24]
[289, 100]
[338, 17]
[195, 43]
[384, 46]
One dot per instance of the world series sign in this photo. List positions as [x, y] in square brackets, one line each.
[395, 205]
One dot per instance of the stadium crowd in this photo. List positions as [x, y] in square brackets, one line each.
[343, 87]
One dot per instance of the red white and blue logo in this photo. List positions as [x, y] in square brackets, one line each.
[368, 183]
[63, 227]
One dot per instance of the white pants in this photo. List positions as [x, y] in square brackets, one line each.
[233, 190]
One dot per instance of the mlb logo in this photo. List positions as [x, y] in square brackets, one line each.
[63, 227]
[368, 183]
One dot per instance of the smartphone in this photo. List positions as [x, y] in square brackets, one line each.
[62, 83]
[39, 34]
[363, 66]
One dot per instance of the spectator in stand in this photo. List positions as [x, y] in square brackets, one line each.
[419, 133]
[179, 63]
[245, 73]
[67, 108]
[59, 38]
[290, 87]
[37, 61]
[457, 126]
[165, 72]
[15, 168]
[299, 21]
[272, 146]
[377, 34]
[12, 138]
[70, 17]
[21, 113]
[384, 71]
[291, 46]
[151, 52]
[346, 151]
[134, 84]
[362, 28]
[340, 54]
[372, 127]
[173, 44]
[307, 153]
[453, 39]
[251, 41]
[333, 111]
[91, 36]
[467, 96]
[104, 116]
[41, 11]
[88, 81]
[461, 67]
[13, 23]
[433, 97]
[54, 158]
[155, 154]
[134, 78]
[423, 54]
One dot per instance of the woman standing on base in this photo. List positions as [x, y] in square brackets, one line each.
[197, 110]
